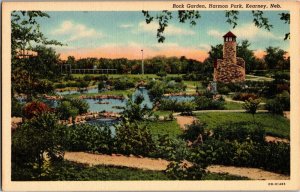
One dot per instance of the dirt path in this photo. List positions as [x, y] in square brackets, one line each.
[276, 139]
[252, 173]
[160, 165]
[184, 120]
[118, 160]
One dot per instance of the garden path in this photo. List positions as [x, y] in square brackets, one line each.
[183, 121]
[160, 165]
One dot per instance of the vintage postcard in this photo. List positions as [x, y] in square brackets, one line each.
[150, 96]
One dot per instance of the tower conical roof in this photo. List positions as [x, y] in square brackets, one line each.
[229, 34]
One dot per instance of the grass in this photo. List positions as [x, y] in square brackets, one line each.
[258, 78]
[162, 113]
[111, 92]
[233, 105]
[165, 127]
[222, 176]
[274, 125]
[70, 171]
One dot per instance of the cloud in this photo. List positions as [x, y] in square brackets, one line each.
[205, 47]
[247, 31]
[75, 31]
[215, 33]
[125, 26]
[169, 30]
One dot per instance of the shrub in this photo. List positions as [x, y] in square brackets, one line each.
[270, 156]
[177, 79]
[101, 85]
[184, 171]
[244, 96]
[36, 140]
[80, 104]
[66, 110]
[162, 74]
[240, 131]
[88, 137]
[60, 85]
[87, 78]
[169, 148]
[204, 103]
[133, 138]
[156, 89]
[123, 83]
[194, 130]
[192, 77]
[185, 107]
[83, 84]
[274, 106]
[16, 108]
[223, 90]
[251, 105]
[284, 99]
[34, 109]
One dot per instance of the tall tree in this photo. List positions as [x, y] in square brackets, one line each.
[275, 57]
[25, 35]
[244, 52]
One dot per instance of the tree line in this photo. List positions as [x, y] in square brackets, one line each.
[274, 58]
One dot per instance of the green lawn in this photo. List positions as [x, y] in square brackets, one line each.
[162, 113]
[233, 105]
[112, 92]
[69, 171]
[275, 125]
[165, 127]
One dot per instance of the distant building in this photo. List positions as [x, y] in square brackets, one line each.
[230, 68]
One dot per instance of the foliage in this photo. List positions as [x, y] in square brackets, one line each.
[170, 148]
[16, 107]
[274, 106]
[205, 103]
[71, 171]
[133, 138]
[28, 77]
[65, 110]
[156, 89]
[195, 131]
[240, 131]
[101, 85]
[251, 105]
[89, 137]
[80, 104]
[35, 140]
[270, 156]
[134, 111]
[185, 107]
[123, 83]
[274, 125]
[244, 96]
[275, 58]
[164, 17]
[161, 74]
[183, 171]
[34, 109]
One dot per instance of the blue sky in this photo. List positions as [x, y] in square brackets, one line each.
[124, 34]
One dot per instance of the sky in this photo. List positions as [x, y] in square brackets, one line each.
[111, 34]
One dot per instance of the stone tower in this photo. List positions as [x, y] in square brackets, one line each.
[230, 68]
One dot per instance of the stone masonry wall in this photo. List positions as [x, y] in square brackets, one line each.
[230, 68]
